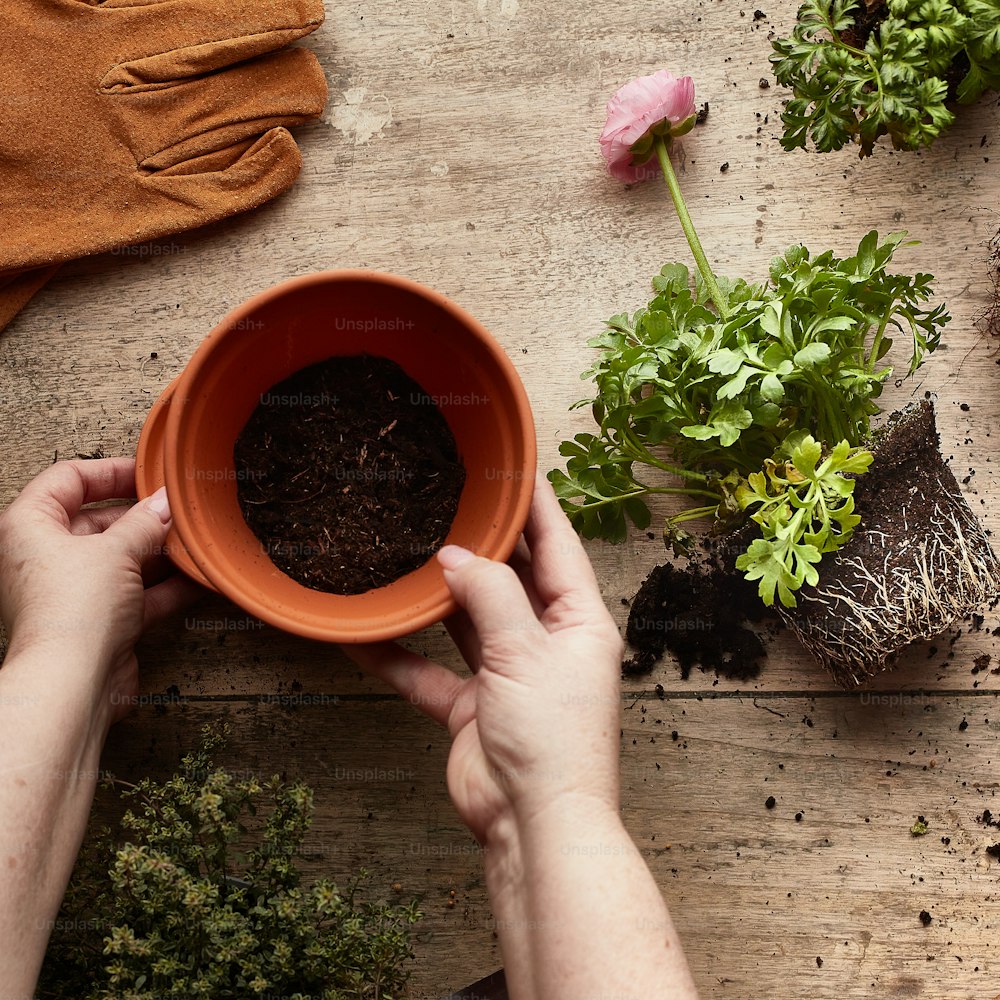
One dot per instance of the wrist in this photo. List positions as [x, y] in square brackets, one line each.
[63, 633]
[63, 680]
[564, 825]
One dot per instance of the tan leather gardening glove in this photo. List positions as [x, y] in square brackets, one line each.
[131, 120]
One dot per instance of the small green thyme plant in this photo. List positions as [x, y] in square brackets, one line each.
[199, 896]
[861, 70]
[755, 399]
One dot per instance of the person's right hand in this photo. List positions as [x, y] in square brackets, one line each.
[537, 723]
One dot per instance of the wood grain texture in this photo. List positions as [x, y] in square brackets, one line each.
[459, 148]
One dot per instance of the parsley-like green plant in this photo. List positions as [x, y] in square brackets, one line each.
[805, 508]
[860, 70]
[198, 895]
[752, 400]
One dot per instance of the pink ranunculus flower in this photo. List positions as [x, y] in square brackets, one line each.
[645, 107]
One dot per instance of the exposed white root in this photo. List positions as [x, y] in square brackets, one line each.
[863, 627]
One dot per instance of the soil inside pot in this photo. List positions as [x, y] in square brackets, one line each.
[918, 561]
[348, 474]
[701, 613]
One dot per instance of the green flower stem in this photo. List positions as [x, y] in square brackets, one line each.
[693, 514]
[644, 490]
[643, 454]
[681, 492]
[721, 305]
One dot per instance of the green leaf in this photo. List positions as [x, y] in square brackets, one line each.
[812, 355]
[736, 386]
[897, 85]
[771, 388]
[806, 456]
[673, 278]
[725, 361]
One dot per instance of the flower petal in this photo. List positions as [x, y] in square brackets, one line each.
[638, 107]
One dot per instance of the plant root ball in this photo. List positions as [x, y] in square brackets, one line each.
[918, 561]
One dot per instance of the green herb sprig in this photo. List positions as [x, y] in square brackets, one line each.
[199, 896]
[897, 81]
[740, 411]
[805, 508]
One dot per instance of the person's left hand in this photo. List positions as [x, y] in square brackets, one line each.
[73, 578]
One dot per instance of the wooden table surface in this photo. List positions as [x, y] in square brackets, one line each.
[459, 148]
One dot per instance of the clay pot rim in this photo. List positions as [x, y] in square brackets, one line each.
[441, 604]
[149, 477]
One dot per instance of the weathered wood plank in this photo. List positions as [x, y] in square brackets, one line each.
[460, 148]
[758, 895]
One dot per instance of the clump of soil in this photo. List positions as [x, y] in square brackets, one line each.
[701, 614]
[867, 19]
[988, 819]
[918, 561]
[348, 474]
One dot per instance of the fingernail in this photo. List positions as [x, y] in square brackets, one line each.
[159, 504]
[452, 556]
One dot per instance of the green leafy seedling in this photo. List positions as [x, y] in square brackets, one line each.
[692, 404]
[805, 508]
[853, 85]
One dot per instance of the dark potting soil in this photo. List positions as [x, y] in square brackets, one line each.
[867, 17]
[348, 474]
[701, 614]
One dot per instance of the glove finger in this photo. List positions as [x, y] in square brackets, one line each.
[178, 39]
[17, 287]
[212, 113]
[227, 183]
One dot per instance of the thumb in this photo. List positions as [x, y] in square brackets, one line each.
[493, 596]
[142, 530]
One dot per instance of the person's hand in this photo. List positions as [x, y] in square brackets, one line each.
[73, 578]
[538, 720]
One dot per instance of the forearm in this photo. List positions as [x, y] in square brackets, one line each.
[51, 734]
[578, 913]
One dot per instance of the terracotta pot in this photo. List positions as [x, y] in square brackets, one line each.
[149, 475]
[189, 436]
